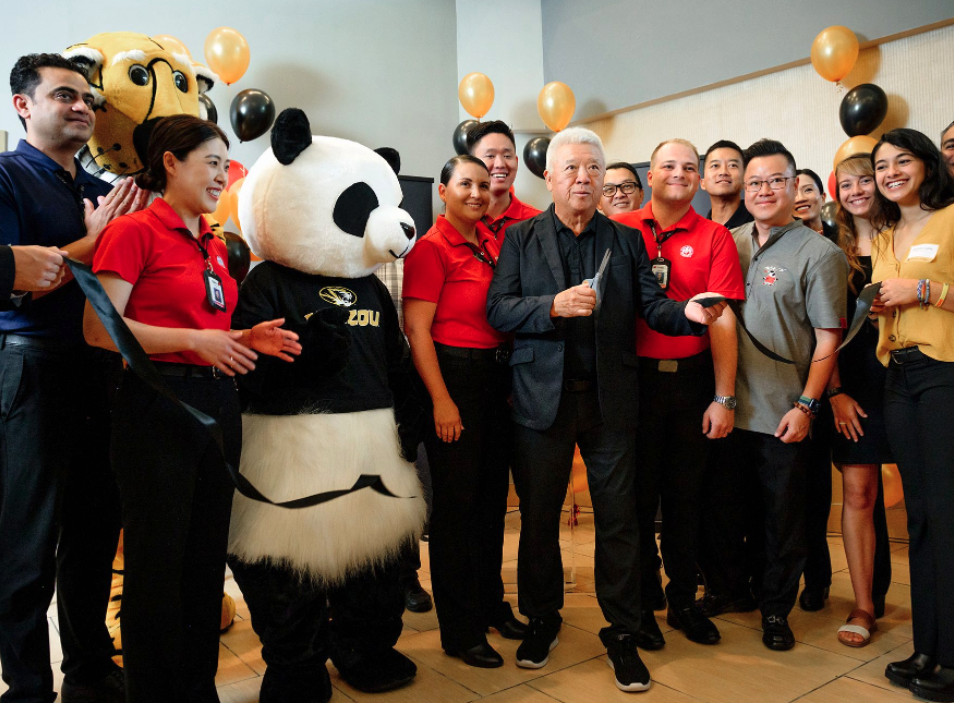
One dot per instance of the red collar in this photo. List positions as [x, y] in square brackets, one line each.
[170, 219]
[455, 238]
[685, 223]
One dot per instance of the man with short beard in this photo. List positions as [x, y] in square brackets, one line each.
[722, 180]
[59, 506]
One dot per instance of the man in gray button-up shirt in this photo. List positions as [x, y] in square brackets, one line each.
[795, 305]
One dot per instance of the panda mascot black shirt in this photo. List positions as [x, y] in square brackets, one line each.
[367, 334]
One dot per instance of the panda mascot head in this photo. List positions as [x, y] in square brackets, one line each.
[324, 205]
[323, 215]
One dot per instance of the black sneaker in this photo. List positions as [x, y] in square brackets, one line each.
[109, 689]
[541, 638]
[776, 634]
[713, 604]
[623, 659]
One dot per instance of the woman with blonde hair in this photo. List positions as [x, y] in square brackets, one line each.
[856, 392]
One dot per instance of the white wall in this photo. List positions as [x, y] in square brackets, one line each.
[377, 71]
[797, 106]
[503, 39]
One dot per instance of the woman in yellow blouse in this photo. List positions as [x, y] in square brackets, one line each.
[914, 260]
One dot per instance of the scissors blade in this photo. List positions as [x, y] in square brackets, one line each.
[606, 258]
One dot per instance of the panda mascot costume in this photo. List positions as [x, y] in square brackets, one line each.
[322, 581]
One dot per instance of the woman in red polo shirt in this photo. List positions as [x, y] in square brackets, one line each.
[464, 364]
[167, 274]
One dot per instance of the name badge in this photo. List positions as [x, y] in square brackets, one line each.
[214, 292]
[661, 268]
[923, 252]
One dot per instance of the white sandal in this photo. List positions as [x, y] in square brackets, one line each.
[871, 625]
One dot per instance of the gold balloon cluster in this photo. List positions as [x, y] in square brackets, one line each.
[555, 103]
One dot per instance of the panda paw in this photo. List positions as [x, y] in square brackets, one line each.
[329, 339]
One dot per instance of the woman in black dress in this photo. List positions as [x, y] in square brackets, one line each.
[856, 390]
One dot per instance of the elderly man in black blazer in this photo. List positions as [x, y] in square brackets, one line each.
[575, 382]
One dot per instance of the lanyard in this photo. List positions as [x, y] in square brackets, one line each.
[659, 242]
[495, 227]
[202, 248]
[482, 256]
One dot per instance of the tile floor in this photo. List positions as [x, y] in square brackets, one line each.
[738, 670]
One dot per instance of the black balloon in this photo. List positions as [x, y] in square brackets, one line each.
[535, 155]
[863, 108]
[462, 136]
[211, 114]
[240, 256]
[828, 212]
[252, 114]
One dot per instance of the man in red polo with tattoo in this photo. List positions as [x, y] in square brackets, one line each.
[493, 143]
[686, 385]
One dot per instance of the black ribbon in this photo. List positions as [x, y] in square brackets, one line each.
[862, 308]
[139, 362]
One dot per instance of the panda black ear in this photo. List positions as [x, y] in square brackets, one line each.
[291, 135]
[391, 156]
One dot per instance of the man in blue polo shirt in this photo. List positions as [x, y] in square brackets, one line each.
[59, 507]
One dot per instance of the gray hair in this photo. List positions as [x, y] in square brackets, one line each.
[574, 135]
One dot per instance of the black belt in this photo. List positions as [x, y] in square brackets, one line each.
[907, 355]
[499, 355]
[171, 368]
[575, 386]
[46, 344]
[689, 363]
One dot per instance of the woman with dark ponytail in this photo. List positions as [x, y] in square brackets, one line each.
[167, 274]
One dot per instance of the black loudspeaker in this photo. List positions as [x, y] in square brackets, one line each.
[418, 201]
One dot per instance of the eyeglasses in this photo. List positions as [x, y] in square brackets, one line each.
[775, 183]
[628, 188]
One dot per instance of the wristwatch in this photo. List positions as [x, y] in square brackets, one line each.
[812, 404]
[726, 401]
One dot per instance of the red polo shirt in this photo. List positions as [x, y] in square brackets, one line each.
[517, 212]
[443, 269]
[153, 250]
[703, 258]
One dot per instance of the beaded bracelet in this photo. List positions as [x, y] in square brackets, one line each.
[920, 292]
[804, 409]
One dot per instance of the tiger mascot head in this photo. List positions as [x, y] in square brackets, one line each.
[136, 81]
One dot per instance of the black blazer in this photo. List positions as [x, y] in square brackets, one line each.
[530, 273]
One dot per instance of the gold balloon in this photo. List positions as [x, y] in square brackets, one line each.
[227, 54]
[556, 105]
[476, 94]
[234, 201]
[834, 52]
[893, 491]
[223, 209]
[862, 144]
[172, 44]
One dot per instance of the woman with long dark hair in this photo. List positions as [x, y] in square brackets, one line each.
[167, 275]
[463, 362]
[914, 261]
[856, 393]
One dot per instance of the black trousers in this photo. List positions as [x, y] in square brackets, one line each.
[541, 472]
[673, 458]
[176, 503]
[818, 501]
[761, 519]
[470, 480]
[919, 395]
[303, 623]
[59, 514]
[411, 558]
